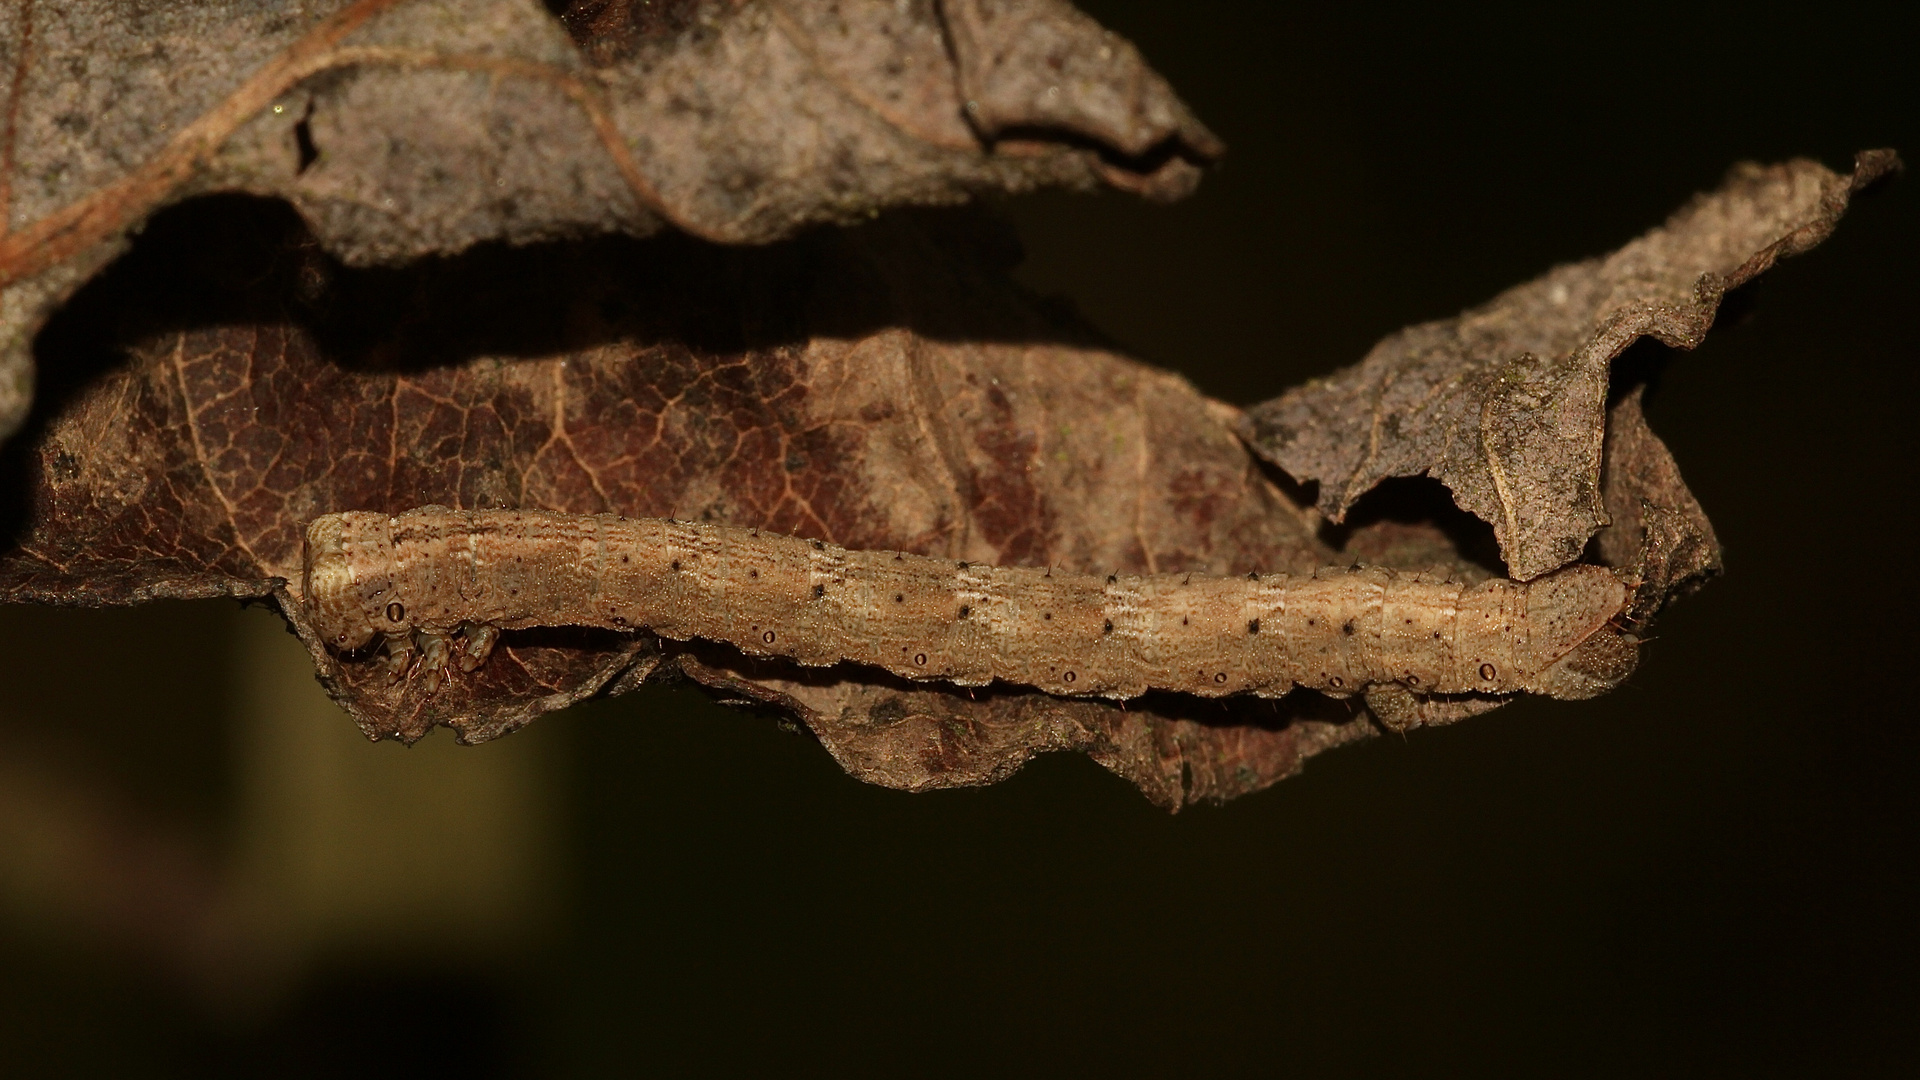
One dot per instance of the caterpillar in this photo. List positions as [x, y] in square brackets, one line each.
[437, 586]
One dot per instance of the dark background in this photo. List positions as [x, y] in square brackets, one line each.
[1710, 871]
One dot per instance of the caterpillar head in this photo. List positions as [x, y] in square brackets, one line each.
[348, 581]
[1574, 635]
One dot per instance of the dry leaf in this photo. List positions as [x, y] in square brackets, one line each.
[1505, 404]
[401, 128]
[882, 386]
[866, 387]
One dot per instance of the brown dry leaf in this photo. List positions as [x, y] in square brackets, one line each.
[402, 128]
[883, 386]
[1505, 404]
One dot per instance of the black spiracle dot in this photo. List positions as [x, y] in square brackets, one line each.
[767, 637]
[1107, 627]
[965, 611]
[1220, 677]
[899, 598]
[1488, 672]
[1310, 622]
[1047, 615]
[626, 558]
[1185, 621]
[1413, 680]
[1436, 635]
[920, 659]
[1069, 676]
[1336, 682]
[753, 573]
[395, 612]
[819, 591]
[1347, 629]
[675, 564]
[1253, 626]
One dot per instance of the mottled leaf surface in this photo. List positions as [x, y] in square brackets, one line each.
[401, 128]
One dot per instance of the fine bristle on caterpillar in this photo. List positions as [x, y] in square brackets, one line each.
[438, 586]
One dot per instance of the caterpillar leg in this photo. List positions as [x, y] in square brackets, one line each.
[435, 652]
[400, 656]
[477, 645]
[434, 656]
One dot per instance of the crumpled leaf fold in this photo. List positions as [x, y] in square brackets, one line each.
[1506, 403]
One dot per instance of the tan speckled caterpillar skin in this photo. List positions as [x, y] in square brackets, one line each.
[427, 575]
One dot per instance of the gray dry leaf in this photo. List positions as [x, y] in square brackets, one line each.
[878, 386]
[403, 128]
